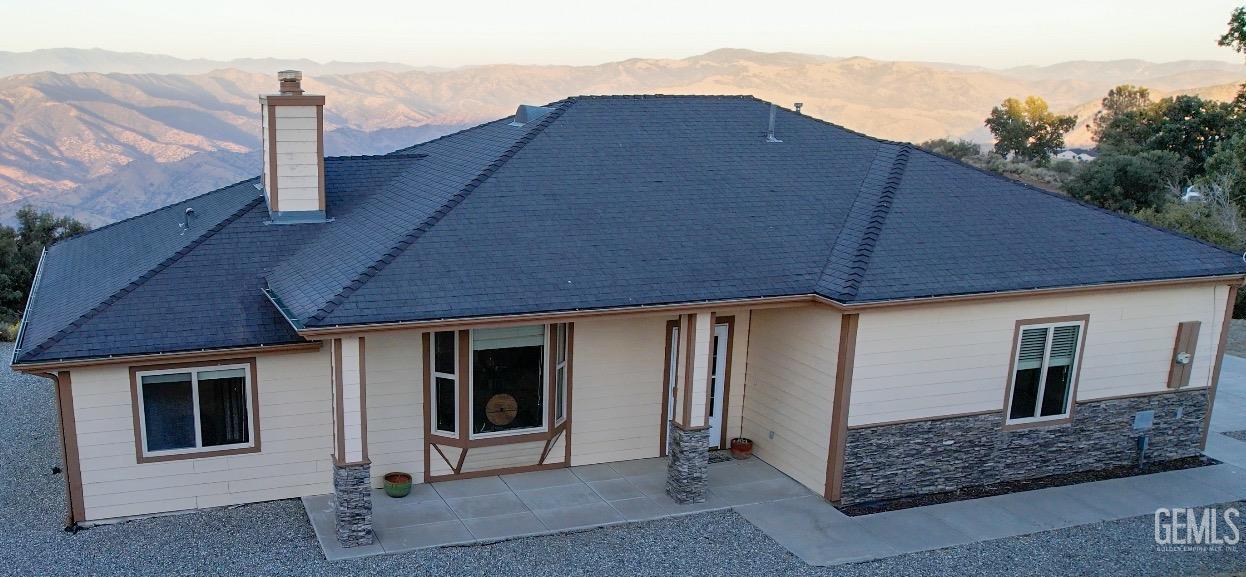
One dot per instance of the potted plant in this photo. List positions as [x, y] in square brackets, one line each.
[741, 448]
[397, 485]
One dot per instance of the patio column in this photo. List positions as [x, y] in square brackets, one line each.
[688, 458]
[352, 471]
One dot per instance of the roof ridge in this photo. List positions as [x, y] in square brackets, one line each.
[386, 156]
[414, 234]
[152, 211]
[1069, 198]
[854, 246]
[141, 279]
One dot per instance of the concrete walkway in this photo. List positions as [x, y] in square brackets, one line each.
[495, 508]
[820, 535]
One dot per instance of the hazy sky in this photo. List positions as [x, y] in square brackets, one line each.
[451, 33]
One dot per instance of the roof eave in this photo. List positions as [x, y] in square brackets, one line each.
[34, 287]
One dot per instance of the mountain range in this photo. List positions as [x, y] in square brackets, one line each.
[103, 135]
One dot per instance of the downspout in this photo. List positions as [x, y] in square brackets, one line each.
[71, 524]
[21, 328]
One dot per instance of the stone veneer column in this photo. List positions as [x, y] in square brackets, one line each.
[352, 496]
[688, 456]
[352, 470]
[686, 464]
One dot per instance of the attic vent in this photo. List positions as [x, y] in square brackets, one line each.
[527, 113]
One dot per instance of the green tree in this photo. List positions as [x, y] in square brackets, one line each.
[1129, 182]
[958, 149]
[1029, 129]
[1225, 171]
[1235, 38]
[1195, 219]
[1121, 124]
[20, 249]
[1193, 128]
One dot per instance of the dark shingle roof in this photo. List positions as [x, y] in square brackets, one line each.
[604, 202]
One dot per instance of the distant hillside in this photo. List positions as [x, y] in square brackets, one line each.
[71, 60]
[107, 145]
[1080, 137]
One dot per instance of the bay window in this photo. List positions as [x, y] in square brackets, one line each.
[508, 370]
[445, 383]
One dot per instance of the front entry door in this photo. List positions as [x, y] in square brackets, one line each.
[718, 379]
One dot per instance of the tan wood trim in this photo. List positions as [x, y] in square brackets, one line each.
[551, 373]
[922, 419]
[68, 429]
[748, 343]
[997, 412]
[443, 458]
[758, 302]
[664, 414]
[295, 99]
[495, 441]
[496, 472]
[463, 384]
[363, 403]
[839, 412]
[726, 400]
[537, 318]
[1225, 325]
[1187, 342]
[272, 156]
[339, 412]
[320, 153]
[255, 410]
[1012, 372]
[426, 341]
[202, 355]
[1129, 285]
[549, 444]
[690, 341]
[462, 458]
[566, 424]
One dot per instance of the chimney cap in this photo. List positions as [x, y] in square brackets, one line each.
[289, 75]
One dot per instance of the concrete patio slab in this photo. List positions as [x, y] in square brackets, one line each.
[615, 489]
[505, 526]
[414, 513]
[640, 467]
[815, 531]
[579, 516]
[559, 497]
[641, 509]
[982, 516]
[913, 530]
[398, 539]
[540, 479]
[486, 505]
[599, 472]
[471, 487]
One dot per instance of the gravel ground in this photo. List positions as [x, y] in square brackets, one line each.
[1237, 338]
[275, 538]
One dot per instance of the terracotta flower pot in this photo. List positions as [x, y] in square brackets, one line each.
[741, 448]
[397, 485]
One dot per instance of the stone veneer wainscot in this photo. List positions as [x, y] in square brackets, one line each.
[888, 461]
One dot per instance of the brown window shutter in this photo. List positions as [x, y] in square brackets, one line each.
[1183, 350]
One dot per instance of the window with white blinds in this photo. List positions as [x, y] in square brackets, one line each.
[1042, 380]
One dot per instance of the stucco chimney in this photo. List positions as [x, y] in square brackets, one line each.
[293, 135]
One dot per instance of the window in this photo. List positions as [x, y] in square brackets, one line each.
[194, 410]
[1042, 382]
[445, 383]
[560, 373]
[508, 370]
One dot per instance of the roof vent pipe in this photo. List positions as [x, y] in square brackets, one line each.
[770, 132]
[798, 105]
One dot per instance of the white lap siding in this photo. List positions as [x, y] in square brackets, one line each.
[932, 360]
[394, 368]
[790, 389]
[295, 436]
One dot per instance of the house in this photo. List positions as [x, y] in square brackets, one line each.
[609, 278]
[1076, 154]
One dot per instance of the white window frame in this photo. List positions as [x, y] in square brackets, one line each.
[194, 392]
[432, 368]
[471, 393]
[560, 349]
[1042, 373]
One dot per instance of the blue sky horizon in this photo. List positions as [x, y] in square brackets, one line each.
[971, 32]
